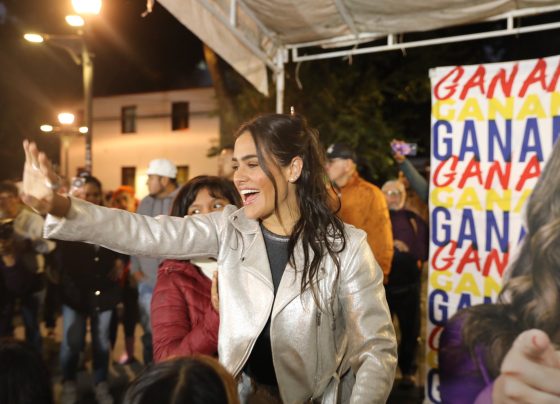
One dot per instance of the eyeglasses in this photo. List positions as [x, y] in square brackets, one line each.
[392, 192]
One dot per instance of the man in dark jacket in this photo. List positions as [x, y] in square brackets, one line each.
[88, 290]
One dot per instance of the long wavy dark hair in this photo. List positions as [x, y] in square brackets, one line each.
[283, 137]
[218, 187]
[530, 297]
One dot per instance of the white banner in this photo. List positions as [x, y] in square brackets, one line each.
[493, 127]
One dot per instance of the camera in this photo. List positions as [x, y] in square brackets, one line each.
[6, 229]
[406, 149]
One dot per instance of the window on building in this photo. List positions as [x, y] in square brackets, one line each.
[182, 174]
[128, 176]
[128, 119]
[180, 115]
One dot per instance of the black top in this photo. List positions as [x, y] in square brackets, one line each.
[259, 365]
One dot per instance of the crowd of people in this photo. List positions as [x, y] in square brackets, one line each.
[265, 284]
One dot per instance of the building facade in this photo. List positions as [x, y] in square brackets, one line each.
[130, 130]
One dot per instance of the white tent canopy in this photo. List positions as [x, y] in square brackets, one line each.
[252, 35]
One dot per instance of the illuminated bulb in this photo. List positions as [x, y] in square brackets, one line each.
[35, 38]
[66, 118]
[75, 20]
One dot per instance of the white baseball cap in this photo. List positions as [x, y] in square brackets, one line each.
[163, 168]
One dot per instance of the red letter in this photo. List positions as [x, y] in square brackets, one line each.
[554, 81]
[450, 87]
[503, 176]
[448, 260]
[471, 255]
[537, 75]
[477, 80]
[532, 170]
[494, 258]
[452, 162]
[472, 170]
[505, 84]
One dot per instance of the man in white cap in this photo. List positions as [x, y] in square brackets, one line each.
[162, 186]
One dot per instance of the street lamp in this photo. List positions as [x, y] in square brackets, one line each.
[76, 46]
[66, 130]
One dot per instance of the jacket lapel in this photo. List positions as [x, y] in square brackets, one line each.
[290, 285]
[254, 259]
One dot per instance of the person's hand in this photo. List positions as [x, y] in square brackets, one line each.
[214, 295]
[530, 371]
[401, 246]
[399, 157]
[39, 183]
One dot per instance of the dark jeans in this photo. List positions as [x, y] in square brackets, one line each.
[404, 302]
[129, 315]
[29, 306]
[73, 342]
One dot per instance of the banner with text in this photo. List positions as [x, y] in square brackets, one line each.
[493, 126]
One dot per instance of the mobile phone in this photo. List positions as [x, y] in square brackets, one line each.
[406, 149]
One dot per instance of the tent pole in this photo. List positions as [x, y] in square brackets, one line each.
[280, 80]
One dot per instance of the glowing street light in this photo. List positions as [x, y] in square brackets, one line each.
[87, 6]
[76, 47]
[66, 129]
[75, 20]
[34, 38]
[66, 118]
[47, 128]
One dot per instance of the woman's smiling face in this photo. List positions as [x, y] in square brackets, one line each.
[256, 189]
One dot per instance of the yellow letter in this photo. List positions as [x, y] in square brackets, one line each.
[555, 103]
[448, 203]
[469, 198]
[526, 193]
[467, 284]
[491, 287]
[531, 107]
[471, 109]
[503, 202]
[447, 114]
[505, 110]
[436, 283]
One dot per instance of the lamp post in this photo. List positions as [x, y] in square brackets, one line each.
[76, 46]
[65, 129]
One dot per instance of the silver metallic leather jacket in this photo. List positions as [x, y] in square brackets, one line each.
[343, 352]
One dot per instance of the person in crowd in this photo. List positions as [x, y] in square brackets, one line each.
[362, 204]
[224, 162]
[504, 352]
[197, 379]
[28, 230]
[89, 290]
[162, 188]
[410, 235]
[183, 320]
[416, 185]
[303, 314]
[24, 376]
[21, 284]
[123, 198]
[27, 224]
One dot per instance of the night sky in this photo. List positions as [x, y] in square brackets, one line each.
[132, 54]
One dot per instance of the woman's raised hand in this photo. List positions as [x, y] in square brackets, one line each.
[40, 183]
[530, 371]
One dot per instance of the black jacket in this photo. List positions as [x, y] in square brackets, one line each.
[85, 282]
